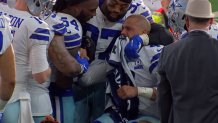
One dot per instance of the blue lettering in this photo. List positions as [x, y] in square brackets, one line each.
[65, 21]
[106, 33]
[94, 31]
[38, 20]
[73, 22]
[15, 21]
[18, 22]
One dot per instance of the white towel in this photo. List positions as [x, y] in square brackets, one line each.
[25, 109]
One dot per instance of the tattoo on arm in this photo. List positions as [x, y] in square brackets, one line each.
[61, 58]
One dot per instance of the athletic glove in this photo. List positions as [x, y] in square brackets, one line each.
[83, 63]
[89, 45]
[132, 48]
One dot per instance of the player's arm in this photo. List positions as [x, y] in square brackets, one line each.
[61, 58]
[7, 73]
[39, 63]
[127, 91]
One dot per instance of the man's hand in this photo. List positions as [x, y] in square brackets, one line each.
[127, 91]
[83, 53]
[132, 48]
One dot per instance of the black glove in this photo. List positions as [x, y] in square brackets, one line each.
[89, 45]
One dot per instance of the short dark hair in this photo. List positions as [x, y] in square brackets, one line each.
[198, 20]
[62, 4]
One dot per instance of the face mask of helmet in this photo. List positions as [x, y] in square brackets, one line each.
[37, 7]
[176, 15]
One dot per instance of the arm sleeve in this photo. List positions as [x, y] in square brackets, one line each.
[39, 36]
[38, 58]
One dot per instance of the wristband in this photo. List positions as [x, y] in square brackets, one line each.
[147, 92]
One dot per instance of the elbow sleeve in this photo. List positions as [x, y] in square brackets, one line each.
[38, 58]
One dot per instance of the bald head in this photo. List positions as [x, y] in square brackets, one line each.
[135, 25]
[141, 22]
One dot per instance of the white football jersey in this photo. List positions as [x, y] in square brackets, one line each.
[68, 26]
[142, 72]
[16, 17]
[29, 32]
[33, 31]
[5, 34]
[26, 38]
[103, 31]
[145, 67]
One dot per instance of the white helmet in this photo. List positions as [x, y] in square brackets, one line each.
[176, 15]
[213, 31]
[37, 7]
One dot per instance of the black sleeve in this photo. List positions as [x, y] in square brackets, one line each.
[164, 92]
[159, 35]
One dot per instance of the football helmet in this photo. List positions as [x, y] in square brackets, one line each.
[37, 7]
[213, 30]
[176, 15]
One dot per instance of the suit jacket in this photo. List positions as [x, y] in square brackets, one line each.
[188, 90]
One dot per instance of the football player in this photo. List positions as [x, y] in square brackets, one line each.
[131, 86]
[31, 39]
[7, 63]
[103, 28]
[71, 13]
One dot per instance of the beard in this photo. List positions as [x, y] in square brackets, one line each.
[112, 19]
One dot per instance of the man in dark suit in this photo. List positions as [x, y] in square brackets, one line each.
[188, 90]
